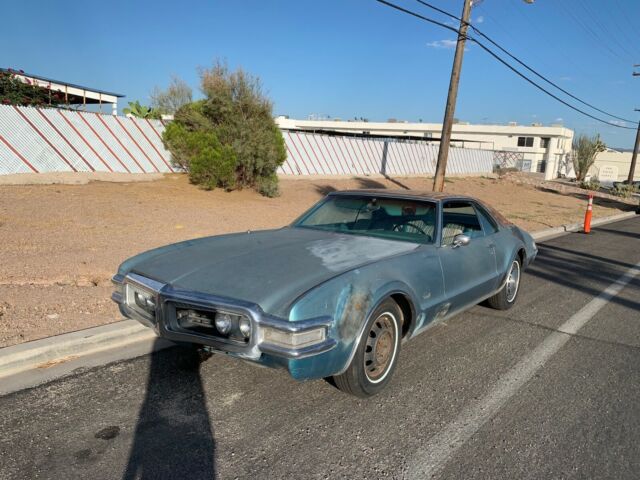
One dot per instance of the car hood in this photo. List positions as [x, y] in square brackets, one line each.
[270, 268]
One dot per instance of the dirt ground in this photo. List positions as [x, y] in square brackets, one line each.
[60, 244]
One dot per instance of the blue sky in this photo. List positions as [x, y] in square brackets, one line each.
[343, 58]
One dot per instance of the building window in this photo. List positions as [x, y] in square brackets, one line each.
[525, 141]
[544, 142]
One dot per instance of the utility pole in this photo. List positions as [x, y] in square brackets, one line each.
[447, 124]
[634, 158]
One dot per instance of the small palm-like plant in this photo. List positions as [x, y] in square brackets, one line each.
[136, 109]
[585, 150]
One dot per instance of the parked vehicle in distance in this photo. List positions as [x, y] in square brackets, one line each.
[335, 293]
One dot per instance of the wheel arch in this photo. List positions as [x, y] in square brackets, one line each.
[399, 293]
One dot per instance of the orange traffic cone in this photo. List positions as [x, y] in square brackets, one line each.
[587, 215]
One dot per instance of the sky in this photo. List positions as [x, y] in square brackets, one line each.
[345, 58]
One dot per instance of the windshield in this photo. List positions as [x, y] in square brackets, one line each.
[391, 218]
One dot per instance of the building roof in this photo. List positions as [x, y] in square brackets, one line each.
[429, 131]
[79, 93]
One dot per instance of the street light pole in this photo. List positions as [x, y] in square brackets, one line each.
[447, 124]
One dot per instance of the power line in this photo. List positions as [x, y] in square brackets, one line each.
[510, 67]
[444, 12]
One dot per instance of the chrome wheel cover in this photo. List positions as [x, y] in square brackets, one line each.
[513, 281]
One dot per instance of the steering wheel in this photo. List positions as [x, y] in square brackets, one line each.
[397, 227]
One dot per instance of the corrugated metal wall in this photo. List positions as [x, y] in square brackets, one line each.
[318, 154]
[52, 140]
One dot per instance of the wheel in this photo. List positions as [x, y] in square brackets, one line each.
[377, 354]
[505, 298]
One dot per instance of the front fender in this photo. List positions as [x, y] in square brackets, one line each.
[348, 299]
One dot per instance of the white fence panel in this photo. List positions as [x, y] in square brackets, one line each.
[52, 140]
[323, 154]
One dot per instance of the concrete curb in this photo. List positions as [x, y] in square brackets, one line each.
[42, 354]
[76, 349]
[550, 233]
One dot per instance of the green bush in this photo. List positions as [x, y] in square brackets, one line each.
[14, 91]
[592, 184]
[623, 190]
[268, 186]
[208, 162]
[238, 116]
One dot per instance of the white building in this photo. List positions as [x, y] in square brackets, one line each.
[530, 148]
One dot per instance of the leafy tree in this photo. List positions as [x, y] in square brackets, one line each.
[170, 100]
[138, 110]
[234, 115]
[585, 150]
[15, 91]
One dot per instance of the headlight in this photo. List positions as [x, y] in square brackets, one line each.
[294, 339]
[223, 322]
[244, 325]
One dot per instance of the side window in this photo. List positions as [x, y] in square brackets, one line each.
[488, 223]
[525, 141]
[457, 218]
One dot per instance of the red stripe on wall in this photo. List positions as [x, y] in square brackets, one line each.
[299, 154]
[119, 142]
[26, 119]
[315, 155]
[152, 145]
[103, 142]
[290, 156]
[153, 128]
[65, 139]
[85, 140]
[335, 155]
[324, 159]
[136, 143]
[372, 156]
[18, 154]
[301, 140]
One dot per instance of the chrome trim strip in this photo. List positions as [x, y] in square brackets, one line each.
[302, 352]
[144, 282]
[295, 327]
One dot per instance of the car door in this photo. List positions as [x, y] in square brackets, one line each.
[469, 271]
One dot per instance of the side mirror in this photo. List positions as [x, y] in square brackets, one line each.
[460, 240]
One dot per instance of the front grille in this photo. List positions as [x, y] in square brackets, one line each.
[187, 318]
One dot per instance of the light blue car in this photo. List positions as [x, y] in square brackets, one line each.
[335, 293]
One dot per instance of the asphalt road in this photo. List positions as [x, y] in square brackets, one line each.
[549, 389]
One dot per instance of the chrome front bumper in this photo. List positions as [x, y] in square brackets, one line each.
[165, 324]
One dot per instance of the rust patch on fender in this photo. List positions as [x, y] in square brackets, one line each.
[355, 308]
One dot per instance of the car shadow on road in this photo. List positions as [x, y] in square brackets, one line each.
[173, 437]
[581, 273]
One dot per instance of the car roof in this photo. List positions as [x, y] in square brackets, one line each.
[411, 194]
[424, 195]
